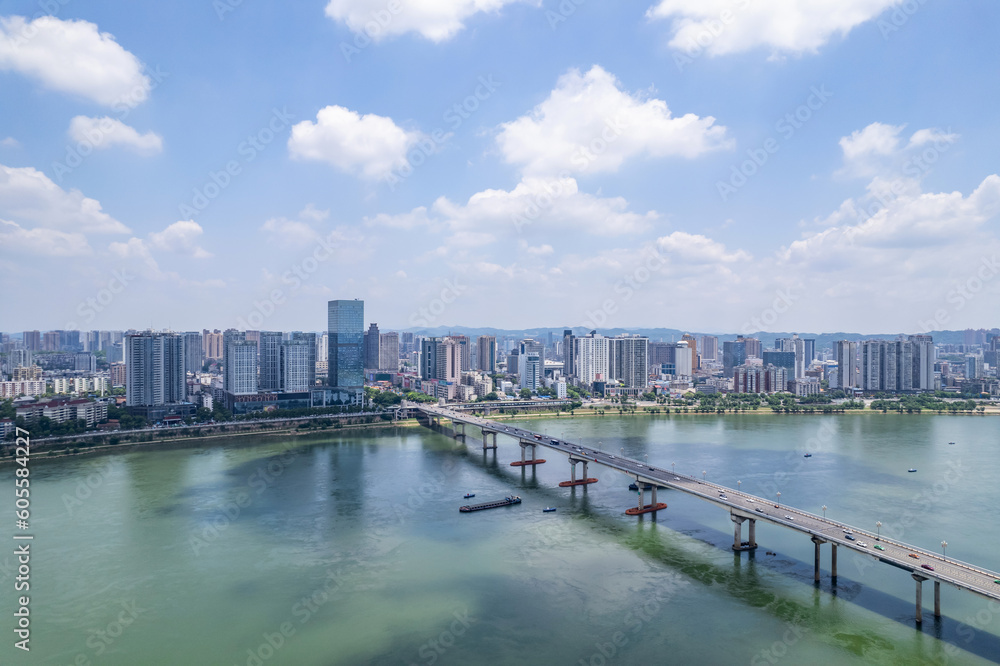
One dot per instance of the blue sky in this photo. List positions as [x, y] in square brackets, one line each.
[247, 162]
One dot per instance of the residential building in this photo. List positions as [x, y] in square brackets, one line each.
[193, 352]
[781, 359]
[239, 374]
[32, 340]
[570, 364]
[693, 346]
[804, 386]
[486, 353]
[530, 367]
[269, 353]
[26, 373]
[372, 340]
[295, 365]
[19, 358]
[314, 353]
[19, 388]
[212, 344]
[60, 410]
[154, 369]
[117, 375]
[388, 353]
[845, 353]
[592, 359]
[85, 362]
[709, 348]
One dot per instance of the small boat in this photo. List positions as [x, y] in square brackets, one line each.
[951, 443]
[548, 509]
[507, 501]
[635, 486]
[808, 455]
[468, 495]
[912, 469]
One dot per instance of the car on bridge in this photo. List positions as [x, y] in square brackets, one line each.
[759, 510]
[927, 566]
[914, 556]
[878, 547]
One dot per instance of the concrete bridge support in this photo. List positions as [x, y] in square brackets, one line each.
[818, 542]
[643, 507]
[525, 461]
[920, 597]
[738, 542]
[937, 599]
[833, 562]
[486, 438]
[573, 481]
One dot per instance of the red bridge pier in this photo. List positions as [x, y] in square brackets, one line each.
[572, 475]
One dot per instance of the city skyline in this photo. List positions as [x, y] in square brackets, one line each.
[757, 173]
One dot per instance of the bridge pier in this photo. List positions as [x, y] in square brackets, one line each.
[738, 543]
[818, 542]
[645, 508]
[833, 562]
[572, 475]
[455, 425]
[920, 597]
[937, 599]
[527, 461]
[486, 436]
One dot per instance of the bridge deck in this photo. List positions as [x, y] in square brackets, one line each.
[959, 574]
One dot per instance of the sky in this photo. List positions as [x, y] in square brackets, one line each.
[708, 165]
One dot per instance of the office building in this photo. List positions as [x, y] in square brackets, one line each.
[781, 359]
[810, 349]
[269, 353]
[529, 362]
[388, 353]
[239, 363]
[372, 340]
[345, 327]
[570, 364]
[312, 340]
[734, 353]
[693, 346]
[193, 353]
[486, 353]
[154, 370]
[709, 348]
[295, 366]
[428, 358]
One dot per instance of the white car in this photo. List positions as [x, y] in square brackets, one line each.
[862, 544]
[789, 518]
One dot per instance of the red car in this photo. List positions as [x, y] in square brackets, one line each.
[927, 566]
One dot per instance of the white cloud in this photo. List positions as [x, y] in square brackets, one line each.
[437, 20]
[180, 238]
[589, 124]
[688, 248]
[41, 242]
[28, 195]
[105, 132]
[541, 204]
[720, 27]
[877, 150]
[10, 142]
[370, 145]
[73, 57]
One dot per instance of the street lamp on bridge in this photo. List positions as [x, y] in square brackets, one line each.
[824, 510]
[738, 484]
[878, 529]
[944, 550]
[703, 473]
[779, 497]
[672, 467]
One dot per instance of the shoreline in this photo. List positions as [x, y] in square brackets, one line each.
[215, 439]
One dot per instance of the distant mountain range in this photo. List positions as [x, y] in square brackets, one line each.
[823, 340]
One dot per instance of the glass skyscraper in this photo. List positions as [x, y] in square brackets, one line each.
[346, 321]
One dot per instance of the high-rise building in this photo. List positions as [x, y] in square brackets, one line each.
[50, 341]
[32, 340]
[118, 375]
[406, 344]
[345, 325]
[871, 365]
[628, 360]
[529, 365]
[810, 344]
[239, 372]
[70, 341]
[193, 354]
[845, 353]
[709, 348]
[115, 352]
[311, 340]
[269, 352]
[570, 368]
[464, 351]
[388, 352]
[693, 346]
[799, 347]
[734, 353]
[974, 366]
[371, 344]
[592, 363]
[923, 362]
[753, 347]
[19, 358]
[85, 362]
[486, 353]
[212, 342]
[294, 365]
[154, 369]
[781, 359]
[428, 357]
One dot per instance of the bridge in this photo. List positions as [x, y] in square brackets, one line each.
[922, 564]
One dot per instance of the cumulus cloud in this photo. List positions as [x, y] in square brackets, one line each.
[28, 195]
[589, 124]
[720, 27]
[102, 133]
[878, 150]
[437, 20]
[369, 145]
[41, 242]
[180, 238]
[72, 56]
